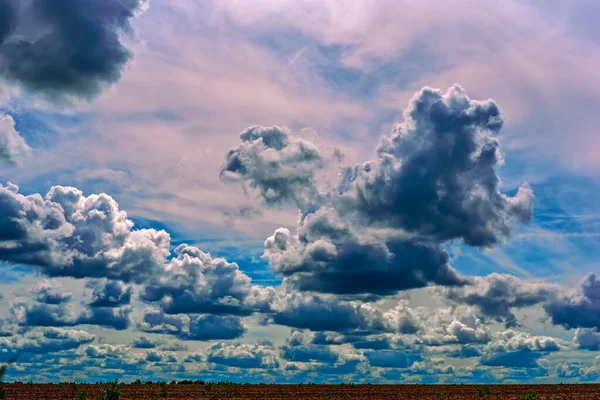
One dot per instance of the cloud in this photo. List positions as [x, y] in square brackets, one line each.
[7, 13]
[193, 327]
[434, 181]
[68, 234]
[497, 294]
[465, 352]
[144, 342]
[43, 341]
[512, 340]
[103, 358]
[49, 292]
[51, 306]
[212, 327]
[238, 355]
[513, 359]
[109, 317]
[328, 256]
[174, 346]
[281, 166]
[436, 174]
[298, 349]
[578, 311]
[106, 293]
[72, 48]
[316, 313]
[337, 232]
[588, 339]
[29, 313]
[381, 343]
[97, 360]
[158, 356]
[155, 321]
[574, 370]
[12, 146]
[391, 358]
[47, 305]
[453, 326]
[194, 282]
[106, 351]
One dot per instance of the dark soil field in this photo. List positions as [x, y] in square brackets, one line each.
[312, 392]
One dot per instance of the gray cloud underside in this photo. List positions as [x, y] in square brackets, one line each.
[71, 48]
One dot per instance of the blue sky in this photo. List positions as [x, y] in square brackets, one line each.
[299, 191]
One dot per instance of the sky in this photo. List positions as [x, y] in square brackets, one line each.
[300, 191]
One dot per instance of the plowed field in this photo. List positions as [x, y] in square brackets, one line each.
[312, 392]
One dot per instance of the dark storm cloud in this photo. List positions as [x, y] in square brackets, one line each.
[580, 311]
[436, 173]
[434, 181]
[326, 256]
[64, 47]
[107, 293]
[281, 167]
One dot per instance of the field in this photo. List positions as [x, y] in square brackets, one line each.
[312, 392]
